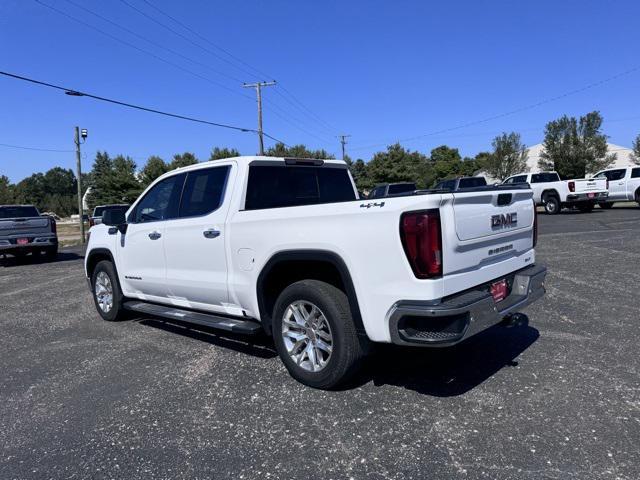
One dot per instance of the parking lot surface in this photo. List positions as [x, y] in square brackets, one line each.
[555, 396]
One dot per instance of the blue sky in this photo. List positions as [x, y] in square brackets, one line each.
[379, 71]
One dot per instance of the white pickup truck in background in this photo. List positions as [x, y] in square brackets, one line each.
[624, 185]
[284, 246]
[555, 194]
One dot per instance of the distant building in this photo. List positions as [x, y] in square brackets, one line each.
[623, 158]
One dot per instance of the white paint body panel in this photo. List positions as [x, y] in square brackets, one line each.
[561, 187]
[625, 188]
[366, 239]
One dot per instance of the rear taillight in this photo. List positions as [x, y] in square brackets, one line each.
[535, 224]
[572, 186]
[54, 225]
[422, 242]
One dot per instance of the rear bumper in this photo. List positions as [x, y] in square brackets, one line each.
[462, 316]
[36, 242]
[584, 197]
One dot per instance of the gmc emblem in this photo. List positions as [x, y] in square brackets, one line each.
[504, 220]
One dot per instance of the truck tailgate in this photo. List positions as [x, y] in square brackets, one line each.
[485, 235]
[588, 185]
[24, 226]
[490, 214]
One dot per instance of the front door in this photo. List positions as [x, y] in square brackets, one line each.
[195, 240]
[141, 249]
[617, 184]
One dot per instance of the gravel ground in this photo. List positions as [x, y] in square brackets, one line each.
[556, 396]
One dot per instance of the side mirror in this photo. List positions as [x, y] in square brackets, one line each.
[115, 218]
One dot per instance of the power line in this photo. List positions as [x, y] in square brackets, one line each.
[146, 52]
[298, 104]
[77, 93]
[194, 32]
[22, 147]
[152, 42]
[511, 112]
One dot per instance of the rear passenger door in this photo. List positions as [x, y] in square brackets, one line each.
[195, 241]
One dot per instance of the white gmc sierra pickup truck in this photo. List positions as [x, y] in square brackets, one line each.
[284, 246]
[554, 194]
[624, 185]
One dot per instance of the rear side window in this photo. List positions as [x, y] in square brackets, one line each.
[378, 192]
[472, 182]
[517, 179]
[402, 188]
[635, 173]
[98, 211]
[614, 174]
[203, 191]
[273, 186]
[544, 177]
[18, 212]
[161, 202]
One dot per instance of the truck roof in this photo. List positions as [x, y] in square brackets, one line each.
[247, 159]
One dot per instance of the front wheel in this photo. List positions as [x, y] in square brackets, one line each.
[315, 335]
[551, 204]
[106, 292]
[637, 197]
[51, 253]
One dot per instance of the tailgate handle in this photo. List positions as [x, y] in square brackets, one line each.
[504, 199]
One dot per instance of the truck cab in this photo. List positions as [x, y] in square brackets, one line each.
[624, 185]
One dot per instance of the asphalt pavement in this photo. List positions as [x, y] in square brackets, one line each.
[555, 396]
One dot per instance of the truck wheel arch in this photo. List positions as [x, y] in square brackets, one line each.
[97, 255]
[287, 267]
[551, 191]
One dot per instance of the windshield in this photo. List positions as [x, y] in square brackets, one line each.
[18, 212]
[401, 188]
[472, 182]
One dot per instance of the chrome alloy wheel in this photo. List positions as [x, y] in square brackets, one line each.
[104, 292]
[307, 335]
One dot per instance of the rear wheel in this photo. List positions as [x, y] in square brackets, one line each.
[315, 335]
[551, 204]
[606, 205]
[107, 295]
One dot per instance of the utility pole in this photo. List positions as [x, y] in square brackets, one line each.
[343, 141]
[258, 86]
[80, 134]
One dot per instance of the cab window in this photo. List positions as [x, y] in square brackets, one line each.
[159, 203]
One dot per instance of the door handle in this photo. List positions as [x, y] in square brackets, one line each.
[211, 233]
[155, 235]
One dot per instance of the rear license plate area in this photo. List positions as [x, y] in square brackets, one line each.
[591, 195]
[22, 241]
[499, 290]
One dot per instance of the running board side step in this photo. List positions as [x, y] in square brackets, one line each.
[228, 324]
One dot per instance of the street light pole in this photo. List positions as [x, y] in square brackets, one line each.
[77, 141]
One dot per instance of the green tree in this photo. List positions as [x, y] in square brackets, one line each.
[6, 190]
[154, 167]
[297, 151]
[509, 156]
[397, 165]
[113, 180]
[635, 154]
[221, 153]
[443, 153]
[183, 160]
[574, 147]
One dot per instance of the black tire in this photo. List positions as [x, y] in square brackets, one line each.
[551, 204]
[606, 205]
[116, 312]
[51, 253]
[637, 197]
[348, 350]
[586, 207]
